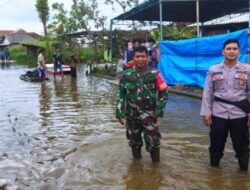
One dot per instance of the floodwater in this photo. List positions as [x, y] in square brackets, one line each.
[62, 135]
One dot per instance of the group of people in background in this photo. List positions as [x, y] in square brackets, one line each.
[57, 62]
[126, 58]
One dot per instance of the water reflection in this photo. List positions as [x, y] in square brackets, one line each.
[215, 179]
[59, 86]
[74, 91]
[62, 134]
[223, 180]
[45, 103]
[143, 176]
[5, 64]
[240, 180]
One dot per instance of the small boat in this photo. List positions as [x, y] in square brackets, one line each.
[32, 76]
[50, 69]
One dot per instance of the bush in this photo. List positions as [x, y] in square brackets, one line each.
[86, 54]
[110, 71]
[19, 54]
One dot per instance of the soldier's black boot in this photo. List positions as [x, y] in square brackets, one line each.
[136, 152]
[155, 155]
[243, 163]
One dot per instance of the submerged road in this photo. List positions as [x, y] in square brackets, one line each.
[62, 134]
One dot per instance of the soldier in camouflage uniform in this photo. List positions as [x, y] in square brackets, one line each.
[142, 96]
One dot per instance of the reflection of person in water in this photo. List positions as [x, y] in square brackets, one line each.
[74, 91]
[3, 61]
[59, 87]
[45, 102]
[2, 64]
[217, 179]
[240, 182]
[141, 177]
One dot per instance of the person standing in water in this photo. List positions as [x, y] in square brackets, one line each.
[224, 109]
[142, 96]
[41, 64]
[58, 61]
[73, 64]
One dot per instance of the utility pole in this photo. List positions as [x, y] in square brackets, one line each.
[160, 7]
[198, 17]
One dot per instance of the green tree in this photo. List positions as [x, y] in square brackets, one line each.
[79, 14]
[180, 31]
[59, 27]
[155, 35]
[42, 8]
[82, 15]
[124, 4]
[99, 21]
[60, 19]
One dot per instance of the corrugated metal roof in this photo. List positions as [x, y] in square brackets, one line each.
[229, 19]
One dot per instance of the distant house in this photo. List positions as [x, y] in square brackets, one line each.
[29, 40]
[9, 37]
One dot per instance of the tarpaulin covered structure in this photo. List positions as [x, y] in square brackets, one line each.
[186, 61]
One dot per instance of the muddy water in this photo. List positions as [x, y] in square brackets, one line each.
[62, 134]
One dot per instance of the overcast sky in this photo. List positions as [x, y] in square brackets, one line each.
[17, 14]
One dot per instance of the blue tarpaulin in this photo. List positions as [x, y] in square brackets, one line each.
[186, 62]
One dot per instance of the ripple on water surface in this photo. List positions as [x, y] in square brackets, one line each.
[62, 134]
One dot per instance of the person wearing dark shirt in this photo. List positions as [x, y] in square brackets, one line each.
[58, 62]
[73, 65]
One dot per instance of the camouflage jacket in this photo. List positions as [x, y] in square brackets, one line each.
[141, 93]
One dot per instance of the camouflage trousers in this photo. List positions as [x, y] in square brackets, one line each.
[151, 133]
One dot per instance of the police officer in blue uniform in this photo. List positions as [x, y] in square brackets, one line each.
[226, 92]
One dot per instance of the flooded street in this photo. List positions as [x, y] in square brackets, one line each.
[62, 134]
